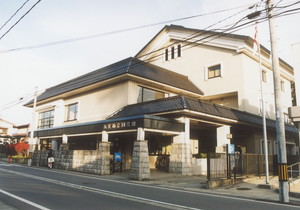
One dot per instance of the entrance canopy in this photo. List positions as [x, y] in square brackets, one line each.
[195, 108]
[123, 123]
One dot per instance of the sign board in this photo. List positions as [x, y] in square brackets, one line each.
[117, 156]
[230, 148]
[119, 125]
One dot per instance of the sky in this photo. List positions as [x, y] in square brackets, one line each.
[57, 20]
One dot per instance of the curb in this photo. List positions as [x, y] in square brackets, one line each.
[291, 194]
[294, 194]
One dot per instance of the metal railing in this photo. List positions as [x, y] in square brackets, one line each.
[228, 166]
[293, 172]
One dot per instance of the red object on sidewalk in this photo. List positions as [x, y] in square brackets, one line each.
[8, 159]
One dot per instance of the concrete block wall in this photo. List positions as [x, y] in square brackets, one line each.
[87, 161]
[181, 159]
[140, 166]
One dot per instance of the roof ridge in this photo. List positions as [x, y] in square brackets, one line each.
[129, 64]
[88, 73]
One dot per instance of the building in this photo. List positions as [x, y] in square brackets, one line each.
[21, 133]
[296, 55]
[6, 130]
[186, 92]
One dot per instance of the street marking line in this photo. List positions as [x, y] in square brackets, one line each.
[171, 189]
[24, 200]
[105, 192]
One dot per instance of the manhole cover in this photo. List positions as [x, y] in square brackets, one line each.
[243, 188]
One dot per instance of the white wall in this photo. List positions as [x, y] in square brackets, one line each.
[241, 74]
[194, 61]
[296, 55]
[92, 106]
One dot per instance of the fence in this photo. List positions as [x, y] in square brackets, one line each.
[227, 165]
[293, 171]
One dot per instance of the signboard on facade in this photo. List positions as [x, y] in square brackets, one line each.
[118, 125]
[117, 156]
[230, 149]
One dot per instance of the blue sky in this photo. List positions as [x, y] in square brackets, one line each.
[55, 20]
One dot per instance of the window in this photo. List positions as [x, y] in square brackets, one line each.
[46, 119]
[293, 94]
[166, 54]
[173, 52]
[179, 50]
[71, 112]
[214, 71]
[146, 94]
[282, 85]
[264, 76]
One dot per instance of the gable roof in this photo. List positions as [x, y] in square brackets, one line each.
[130, 66]
[181, 103]
[198, 32]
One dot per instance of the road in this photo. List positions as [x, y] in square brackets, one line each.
[26, 187]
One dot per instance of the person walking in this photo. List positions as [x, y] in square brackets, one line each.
[50, 158]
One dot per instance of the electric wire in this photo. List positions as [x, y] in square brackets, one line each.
[14, 14]
[153, 58]
[112, 32]
[15, 103]
[65, 85]
[289, 5]
[215, 35]
[194, 34]
[19, 20]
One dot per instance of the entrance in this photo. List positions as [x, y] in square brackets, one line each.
[159, 151]
[121, 144]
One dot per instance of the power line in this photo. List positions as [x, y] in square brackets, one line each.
[19, 20]
[16, 102]
[288, 5]
[14, 14]
[202, 32]
[113, 32]
[194, 35]
[210, 34]
[197, 33]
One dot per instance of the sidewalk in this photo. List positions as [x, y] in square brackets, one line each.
[251, 188]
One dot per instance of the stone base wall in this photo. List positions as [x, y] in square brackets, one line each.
[181, 159]
[140, 166]
[87, 161]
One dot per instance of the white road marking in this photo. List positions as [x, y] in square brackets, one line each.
[170, 189]
[105, 192]
[24, 200]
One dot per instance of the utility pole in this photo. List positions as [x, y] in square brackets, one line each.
[280, 129]
[32, 143]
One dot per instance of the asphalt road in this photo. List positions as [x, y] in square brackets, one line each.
[41, 188]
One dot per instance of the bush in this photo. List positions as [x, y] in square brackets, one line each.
[200, 155]
[22, 148]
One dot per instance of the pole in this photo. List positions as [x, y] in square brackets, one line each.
[263, 110]
[280, 129]
[32, 126]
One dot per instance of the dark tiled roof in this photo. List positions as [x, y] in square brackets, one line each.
[131, 66]
[178, 103]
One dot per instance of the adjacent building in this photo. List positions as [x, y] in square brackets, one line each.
[6, 130]
[186, 92]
